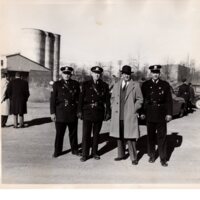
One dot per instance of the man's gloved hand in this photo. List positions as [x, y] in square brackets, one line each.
[80, 115]
[53, 117]
[107, 117]
[142, 117]
[168, 118]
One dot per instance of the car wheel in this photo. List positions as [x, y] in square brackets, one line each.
[197, 103]
[182, 111]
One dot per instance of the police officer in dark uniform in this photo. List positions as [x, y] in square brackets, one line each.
[63, 108]
[184, 92]
[94, 107]
[158, 111]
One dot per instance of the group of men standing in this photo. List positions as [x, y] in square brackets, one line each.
[92, 103]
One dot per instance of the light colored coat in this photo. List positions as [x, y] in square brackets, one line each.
[5, 105]
[133, 102]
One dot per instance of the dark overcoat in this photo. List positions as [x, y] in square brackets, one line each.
[94, 100]
[64, 100]
[157, 100]
[184, 91]
[18, 93]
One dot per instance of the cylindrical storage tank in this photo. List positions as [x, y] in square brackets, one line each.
[49, 50]
[33, 45]
[56, 57]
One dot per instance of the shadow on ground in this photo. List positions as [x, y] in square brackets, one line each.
[38, 121]
[173, 141]
[111, 143]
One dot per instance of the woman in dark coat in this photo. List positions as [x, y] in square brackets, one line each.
[18, 93]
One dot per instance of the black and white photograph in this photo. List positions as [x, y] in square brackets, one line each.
[100, 94]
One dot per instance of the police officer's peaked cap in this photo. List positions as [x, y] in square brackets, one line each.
[155, 68]
[126, 69]
[67, 70]
[97, 69]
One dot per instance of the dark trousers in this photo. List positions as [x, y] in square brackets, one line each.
[4, 119]
[121, 143]
[157, 131]
[60, 133]
[88, 127]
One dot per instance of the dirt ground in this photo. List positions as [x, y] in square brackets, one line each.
[27, 155]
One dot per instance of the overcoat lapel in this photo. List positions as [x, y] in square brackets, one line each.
[119, 86]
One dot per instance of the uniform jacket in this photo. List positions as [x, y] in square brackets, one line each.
[94, 100]
[133, 102]
[184, 91]
[18, 93]
[5, 103]
[64, 100]
[157, 100]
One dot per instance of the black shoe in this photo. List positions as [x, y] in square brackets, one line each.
[83, 158]
[151, 159]
[76, 152]
[134, 162]
[96, 157]
[55, 155]
[21, 126]
[164, 163]
[118, 158]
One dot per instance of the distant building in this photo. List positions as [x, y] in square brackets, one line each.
[175, 72]
[37, 75]
[27, 68]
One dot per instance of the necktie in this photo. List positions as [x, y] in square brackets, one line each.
[124, 86]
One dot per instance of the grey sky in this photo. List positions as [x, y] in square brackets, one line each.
[152, 30]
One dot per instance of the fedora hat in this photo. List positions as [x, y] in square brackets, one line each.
[126, 69]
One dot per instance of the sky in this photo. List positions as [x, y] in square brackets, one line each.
[151, 31]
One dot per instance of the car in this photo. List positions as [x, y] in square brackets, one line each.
[196, 101]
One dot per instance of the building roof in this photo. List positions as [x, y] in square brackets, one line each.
[18, 62]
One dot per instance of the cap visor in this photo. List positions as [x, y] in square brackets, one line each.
[155, 71]
[67, 72]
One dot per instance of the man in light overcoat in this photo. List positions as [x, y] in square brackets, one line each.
[126, 100]
[5, 103]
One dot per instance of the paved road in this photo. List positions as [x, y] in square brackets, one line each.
[26, 155]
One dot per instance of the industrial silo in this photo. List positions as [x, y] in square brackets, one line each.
[42, 47]
[56, 57]
[33, 45]
[49, 50]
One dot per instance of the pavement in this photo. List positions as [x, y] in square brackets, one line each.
[27, 156]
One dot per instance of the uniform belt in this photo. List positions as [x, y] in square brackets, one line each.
[67, 103]
[155, 103]
[95, 104]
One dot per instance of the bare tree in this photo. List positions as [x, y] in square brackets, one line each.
[120, 66]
